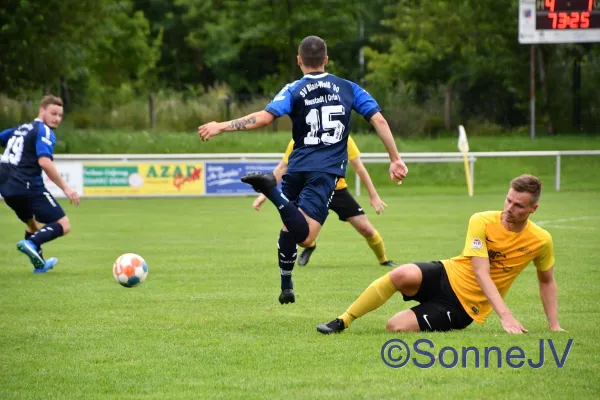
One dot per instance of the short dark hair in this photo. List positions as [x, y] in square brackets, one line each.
[51, 100]
[528, 184]
[312, 51]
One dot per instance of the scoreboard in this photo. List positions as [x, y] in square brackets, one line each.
[559, 21]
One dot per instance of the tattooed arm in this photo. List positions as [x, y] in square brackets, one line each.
[251, 121]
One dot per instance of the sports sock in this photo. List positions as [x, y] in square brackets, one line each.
[28, 236]
[313, 244]
[376, 244]
[286, 253]
[372, 298]
[292, 218]
[47, 233]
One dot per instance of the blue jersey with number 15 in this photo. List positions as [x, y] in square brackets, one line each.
[20, 173]
[319, 105]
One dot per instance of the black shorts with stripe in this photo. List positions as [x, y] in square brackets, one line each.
[41, 206]
[439, 308]
[344, 205]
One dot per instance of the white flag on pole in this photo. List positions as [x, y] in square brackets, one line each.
[463, 143]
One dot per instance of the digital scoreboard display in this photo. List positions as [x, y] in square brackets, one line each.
[559, 21]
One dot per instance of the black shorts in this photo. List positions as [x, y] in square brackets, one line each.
[344, 205]
[440, 309]
[42, 206]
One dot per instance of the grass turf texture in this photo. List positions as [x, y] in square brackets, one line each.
[207, 324]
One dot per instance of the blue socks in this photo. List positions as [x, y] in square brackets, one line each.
[46, 234]
[292, 218]
[286, 253]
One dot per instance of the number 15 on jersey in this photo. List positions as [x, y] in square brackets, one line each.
[333, 129]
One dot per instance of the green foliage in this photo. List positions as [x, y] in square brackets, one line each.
[459, 61]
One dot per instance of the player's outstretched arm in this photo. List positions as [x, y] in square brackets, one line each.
[549, 296]
[398, 169]
[364, 176]
[50, 170]
[481, 266]
[278, 171]
[251, 121]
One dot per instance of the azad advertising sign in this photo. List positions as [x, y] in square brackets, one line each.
[160, 179]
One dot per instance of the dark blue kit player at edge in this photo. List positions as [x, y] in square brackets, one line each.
[29, 150]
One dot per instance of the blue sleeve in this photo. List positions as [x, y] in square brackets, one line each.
[282, 103]
[4, 135]
[45, 141]
[364, 103]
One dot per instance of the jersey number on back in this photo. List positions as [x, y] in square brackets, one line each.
[14, 150]
[334, 129]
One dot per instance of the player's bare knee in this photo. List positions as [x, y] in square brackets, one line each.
[407, 278]
[366, 230]
[66, 225]
[392, 326]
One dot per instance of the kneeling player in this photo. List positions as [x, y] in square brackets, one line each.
[29, 150]
[454, 292]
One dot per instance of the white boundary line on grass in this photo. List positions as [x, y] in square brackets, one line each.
[552, 223]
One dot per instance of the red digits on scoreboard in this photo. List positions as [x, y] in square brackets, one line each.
[590, 5]
[550, 4]
[563, 20]
[585, 20]
[553, 17]
[574, 20]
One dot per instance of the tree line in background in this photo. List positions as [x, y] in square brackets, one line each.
[431, 64]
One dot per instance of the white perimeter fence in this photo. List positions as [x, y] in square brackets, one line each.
[165, 175]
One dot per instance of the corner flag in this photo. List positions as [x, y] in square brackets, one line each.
[463, 146]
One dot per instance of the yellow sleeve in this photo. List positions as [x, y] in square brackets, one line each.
[353, 151]
[475, 244]
[545, 260]
[288, 151]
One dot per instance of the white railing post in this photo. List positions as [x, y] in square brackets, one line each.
[558, 172]
[473, 174]
[357, 184]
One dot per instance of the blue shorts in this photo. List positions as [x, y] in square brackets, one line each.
[310, 191]
[43, 206]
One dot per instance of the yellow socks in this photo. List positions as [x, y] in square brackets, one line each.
[376, 244]
[372, 298]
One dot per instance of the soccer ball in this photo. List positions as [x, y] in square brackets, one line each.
[130, 270]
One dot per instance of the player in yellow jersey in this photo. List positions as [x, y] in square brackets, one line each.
[344, 205]
[455, 292]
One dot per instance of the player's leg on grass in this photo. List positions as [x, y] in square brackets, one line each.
[48, 211]
[363, 226]
[405, 279]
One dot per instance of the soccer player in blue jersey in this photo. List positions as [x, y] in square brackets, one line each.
[319, 106]
[29, 149]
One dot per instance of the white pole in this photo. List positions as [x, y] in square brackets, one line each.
[558, 172]
[473, 174]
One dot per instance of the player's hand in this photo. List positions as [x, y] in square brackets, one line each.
[72, 195]
[511, 325]
[378, 204]
[209, 130]
[398, 170]
[258, 202]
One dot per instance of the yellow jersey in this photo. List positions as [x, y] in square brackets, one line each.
[353, 152]
[509, 253]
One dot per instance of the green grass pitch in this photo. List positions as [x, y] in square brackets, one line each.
[207, 324]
